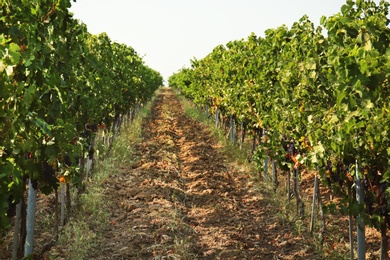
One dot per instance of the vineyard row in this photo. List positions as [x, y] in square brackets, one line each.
[60, 85]
[315, 100]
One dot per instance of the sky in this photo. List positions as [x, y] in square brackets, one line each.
[169, 33]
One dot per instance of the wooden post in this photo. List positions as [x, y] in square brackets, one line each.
[266, 168]
[62, 192]
[361, 238]
[322, 216]
[266, 158]
[243, 132]
[350, 222]
[216, 117]
[314, 202]
[17, 230]
[288, 184]
[384, 240]
[300, 204]
[231, 130]
[253, 144]
[68, 201]
[274, 175]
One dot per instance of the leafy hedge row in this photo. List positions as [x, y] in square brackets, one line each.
[58, 83]
[330, 93]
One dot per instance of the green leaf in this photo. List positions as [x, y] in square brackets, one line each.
[43, 126]
[334, 146]
[323, 20]
[14, 51]
[352, 101]
[29, 61]
[344, 8]
[359, 38]
[341, 95]
[363, 66]
[29, 96]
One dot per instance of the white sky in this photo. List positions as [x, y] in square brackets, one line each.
[168, 33]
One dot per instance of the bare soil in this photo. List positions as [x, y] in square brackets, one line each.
[184, 200]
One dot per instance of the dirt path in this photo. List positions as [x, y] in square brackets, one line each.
[184, 200]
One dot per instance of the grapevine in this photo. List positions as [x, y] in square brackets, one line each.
[59, 84]
[328, 94]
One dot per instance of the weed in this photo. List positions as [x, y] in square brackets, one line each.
[78, 239]
[123, 146]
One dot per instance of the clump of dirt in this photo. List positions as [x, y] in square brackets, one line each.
[183, 199]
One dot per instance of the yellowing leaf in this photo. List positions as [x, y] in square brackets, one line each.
[368, 46]
[9, 70]
[369, 104]
[333, 119]
[319, 149]
[310, 119]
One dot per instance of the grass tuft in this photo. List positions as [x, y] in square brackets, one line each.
[78, 239]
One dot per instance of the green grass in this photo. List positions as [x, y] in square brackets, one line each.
[78, 239]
